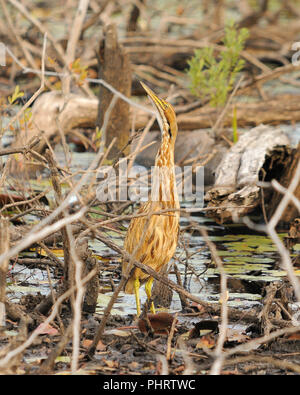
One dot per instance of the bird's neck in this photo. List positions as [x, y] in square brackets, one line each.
[164, 180]
[165, 154]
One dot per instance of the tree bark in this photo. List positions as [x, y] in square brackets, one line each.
[116, 70]
[261, 154]
[291, 211]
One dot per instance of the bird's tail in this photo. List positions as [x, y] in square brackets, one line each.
[137, 273]
[129, 287]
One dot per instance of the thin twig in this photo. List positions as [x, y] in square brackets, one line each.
[92, 80]
[72, 42]
[221, 116]
[170, 337]
[4, 361]
[39, 91]
[217, 365]
[23, 10]
[21, 150]
[40, 234]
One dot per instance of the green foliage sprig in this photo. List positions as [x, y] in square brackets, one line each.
[213, 78]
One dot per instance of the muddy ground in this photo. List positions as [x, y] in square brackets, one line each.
[133, 347]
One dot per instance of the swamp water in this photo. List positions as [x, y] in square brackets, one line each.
[250, 259]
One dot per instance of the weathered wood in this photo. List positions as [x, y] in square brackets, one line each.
[116, 70]
[134, 17]
[92, 288]
[69, 276]
[280, 109]
[291, 212]
[50, 115]
[49, 112]
[293, 236]
[235, 192]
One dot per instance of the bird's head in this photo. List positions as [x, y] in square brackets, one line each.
[166, 116]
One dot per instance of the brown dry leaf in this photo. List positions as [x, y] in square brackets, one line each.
[133, 365]
[86, 343]
[154, 342]
[231, 372]
[100, 346]
[179, 369]
[294, 336]
[236, 336]
[110, 364]
[179, 10]
[206, 341]
[46, 329]
[198, 307]
[161, 323]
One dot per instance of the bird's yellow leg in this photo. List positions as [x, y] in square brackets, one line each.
[137, 296]
[148, 288]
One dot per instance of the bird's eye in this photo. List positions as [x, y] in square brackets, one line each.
[165, 105]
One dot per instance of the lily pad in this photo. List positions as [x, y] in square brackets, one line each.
[63, 358]
[23, 288]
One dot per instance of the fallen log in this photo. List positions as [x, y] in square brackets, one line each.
[50, 110]
[51, 115]
[261, 154]
[279, 109]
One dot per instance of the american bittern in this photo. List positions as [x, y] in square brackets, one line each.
[155, 238]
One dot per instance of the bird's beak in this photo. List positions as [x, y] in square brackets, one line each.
[159, 103]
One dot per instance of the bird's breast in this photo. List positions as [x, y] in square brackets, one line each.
[159, 233]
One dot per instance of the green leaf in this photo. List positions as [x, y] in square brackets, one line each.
[212, 76]
[16, 95]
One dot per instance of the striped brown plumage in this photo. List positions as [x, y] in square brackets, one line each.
[161, 232]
